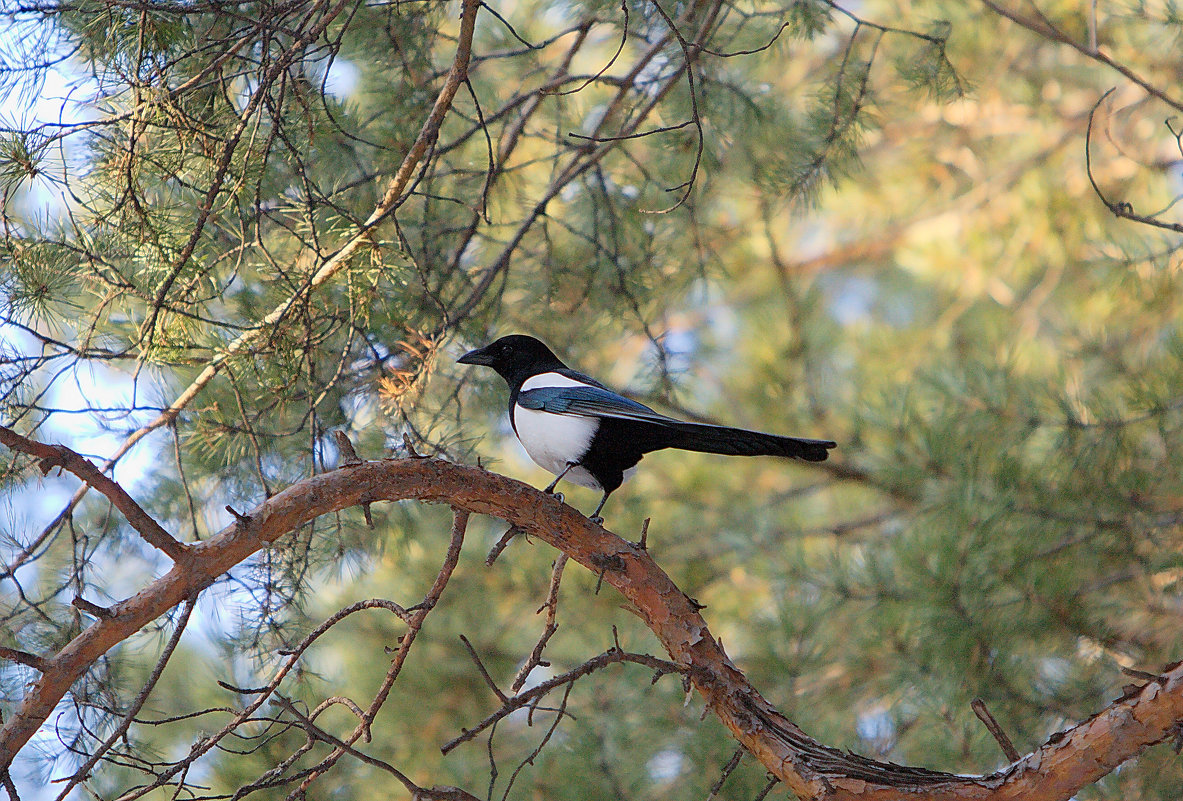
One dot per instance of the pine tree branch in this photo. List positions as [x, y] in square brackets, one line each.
[1044, 27]
[129, 716]
[52, 456]
[531, 696]
[206, 206]
[22, 658]
[315, 733]
[1069, 760]
[600, 144]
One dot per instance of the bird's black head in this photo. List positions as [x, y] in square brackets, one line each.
[515, 358]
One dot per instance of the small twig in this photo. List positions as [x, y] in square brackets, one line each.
[689, 53]
[460, 519]
[410, 447]
[638, 135]
[611, 61]
[731, 765]
[502, 544]
[1141, 674]
[481, 667]
[1042, 27]
[510, 28]
[91, 608]
[1176, 737]
[292, 657]
[560, 713]
[643, 543]
[243, 520]
[315, 733]
[349, 456]
[336, 700]
[1130, 690]
[493, 772]
[491, 170]
[605, 562]
[1119, 208]
[551, 606]
[129, 716]
[225, 685]
[531, 696]
[1008, 748]
[772, 782]
[9, 785]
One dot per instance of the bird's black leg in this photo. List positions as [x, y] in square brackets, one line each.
[551, 487]
[595, 516]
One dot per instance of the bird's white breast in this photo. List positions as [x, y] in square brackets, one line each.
[553, 440]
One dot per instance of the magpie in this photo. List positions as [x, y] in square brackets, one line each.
[578, 429]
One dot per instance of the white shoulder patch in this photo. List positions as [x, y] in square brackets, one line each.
[550, 380]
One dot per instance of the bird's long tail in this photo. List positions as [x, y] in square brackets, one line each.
[741, 442]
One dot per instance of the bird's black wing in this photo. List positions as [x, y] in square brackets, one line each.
[657, 431]
[589, 402]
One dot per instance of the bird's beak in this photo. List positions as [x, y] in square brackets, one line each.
[478, 356]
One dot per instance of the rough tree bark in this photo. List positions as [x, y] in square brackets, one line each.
[1069, 760]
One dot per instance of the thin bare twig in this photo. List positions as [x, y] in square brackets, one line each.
[22, 658]
[120, 730]
[1004, 742]
[728, 769]
[484, 672]
[1044, 28]
[315, 733]
[414, 626]
[522, 700]
[1121, 209]
[551, 606]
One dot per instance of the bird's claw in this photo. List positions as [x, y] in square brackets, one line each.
[599, 521]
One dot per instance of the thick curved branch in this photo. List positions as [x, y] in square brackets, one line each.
[1068, 761]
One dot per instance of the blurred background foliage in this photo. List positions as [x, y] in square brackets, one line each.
[871, 223]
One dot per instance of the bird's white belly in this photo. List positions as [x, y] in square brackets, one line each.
[554, 440]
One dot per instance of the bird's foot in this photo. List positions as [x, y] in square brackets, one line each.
[558, 496]
[550, 488]
[599, 521]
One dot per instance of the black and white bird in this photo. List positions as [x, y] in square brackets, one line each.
[578, 429]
